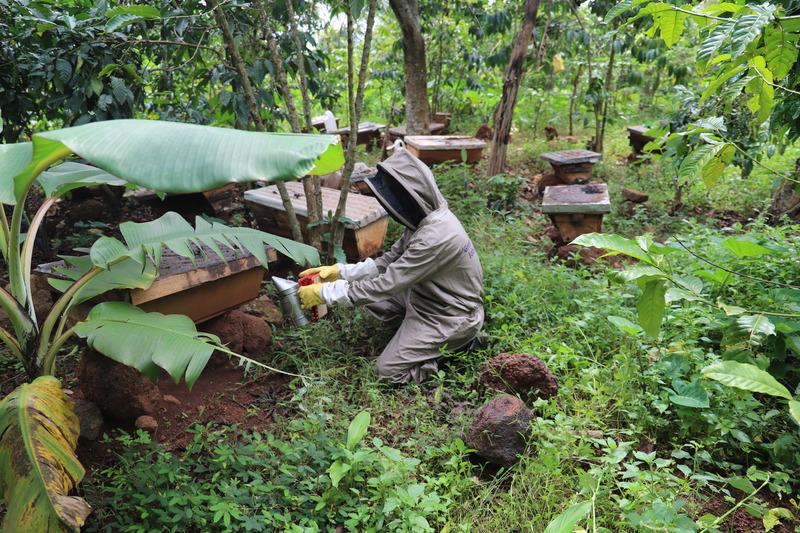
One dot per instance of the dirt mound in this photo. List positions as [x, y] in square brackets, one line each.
[240, 332]
[520, 374]
[120, 391]
[637, 197]
[499, 429]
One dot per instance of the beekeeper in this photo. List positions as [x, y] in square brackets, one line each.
[430, 282]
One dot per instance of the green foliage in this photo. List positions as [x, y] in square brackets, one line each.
[230, 480]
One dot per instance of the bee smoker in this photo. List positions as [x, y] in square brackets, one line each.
[290, 301]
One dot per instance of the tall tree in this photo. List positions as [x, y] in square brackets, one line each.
[512, 78]
[418, 114]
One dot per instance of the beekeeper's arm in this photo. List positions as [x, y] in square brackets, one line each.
[422, 258]
[366, 269]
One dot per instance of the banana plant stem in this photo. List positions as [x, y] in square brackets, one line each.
[28, 245]
[11, 343]
[50, 357]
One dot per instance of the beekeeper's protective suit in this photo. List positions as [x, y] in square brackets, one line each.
[430, 281]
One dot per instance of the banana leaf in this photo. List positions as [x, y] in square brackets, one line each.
[172, 157]
[148, 341]
[126, 274]
[145, 241]
[38, 435]
[65, 177]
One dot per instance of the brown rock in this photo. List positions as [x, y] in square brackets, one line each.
[87, 210]
[264, 308]
[147, 423]
[240, 332]
[90, 418]
[169, 398]
[520, 374]
[499, 429]
[120, 391]
[635, 196]
[586, 255]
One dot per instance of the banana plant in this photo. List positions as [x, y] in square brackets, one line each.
[38, 428]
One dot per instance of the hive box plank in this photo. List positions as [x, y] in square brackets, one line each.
[638, 138]
[200, 291]
[432, 149]
[399, 132]
[576, 209]
[572, 166]
[364, 232]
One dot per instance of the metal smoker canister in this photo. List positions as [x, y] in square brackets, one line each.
[290, 301]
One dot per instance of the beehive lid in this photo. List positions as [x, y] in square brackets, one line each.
[640, 130]
[400, 131]
[588, 198]
[360, 210]
[571, 157]
[444, 142]
[364, 126]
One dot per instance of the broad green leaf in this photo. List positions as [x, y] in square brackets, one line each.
[337, 471]
[625, 325]
[38, 435]
[568, 521]
[614, 243]
[13, 160]
[147, 240]
[711, 44]
[694, 161]
[358, 429]
[689, 394]
[148, 341]
[638, 272]
[121, 16]
[721, 80]
[620, 8]
[772, 517]
[723, 7]
[742, 483]
[748, 27]
[742, 248]
[127, 274]
[68, 176]
[780, 51]
[650, 307]
[711, 172]
[653, 8]
[760, 87]
[180, 158]
[746, 377]
[671, 24]
[794, 410]
[756, 326]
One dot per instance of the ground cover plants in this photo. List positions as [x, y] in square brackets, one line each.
[672, 336]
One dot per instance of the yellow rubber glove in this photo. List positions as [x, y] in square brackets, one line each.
[326, 273]
[310, 295]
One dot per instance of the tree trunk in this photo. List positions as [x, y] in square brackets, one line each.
[418, 114]
[313, 195]
[355, 100]
[511, 81]
[608, 87]
[573, 97]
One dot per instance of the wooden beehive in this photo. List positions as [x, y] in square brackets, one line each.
[432, 149]
[399, 132]
[365, 230]
[201, 291]
[572, 166]
[638, 138]
[369, 133]
[576, 209]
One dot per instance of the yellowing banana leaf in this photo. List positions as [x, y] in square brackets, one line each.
[38, 435]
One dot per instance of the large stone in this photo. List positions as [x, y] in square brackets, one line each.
[635, 196]
[120, 391]
[147, 423]
[264, 308]
[520, 374]
[499, 429]
[89, 417]
[240, 332]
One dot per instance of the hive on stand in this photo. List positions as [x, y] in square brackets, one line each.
[576, 209]
[432, 149]
[572, 166]
[365, 228]
[638, 138]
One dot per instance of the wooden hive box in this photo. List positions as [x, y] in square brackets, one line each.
[369, 133]
[572, 166]
[200, 291]
[399, 132]
[638, 138]
[364, 232]
[432, 149]
[576, 209]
